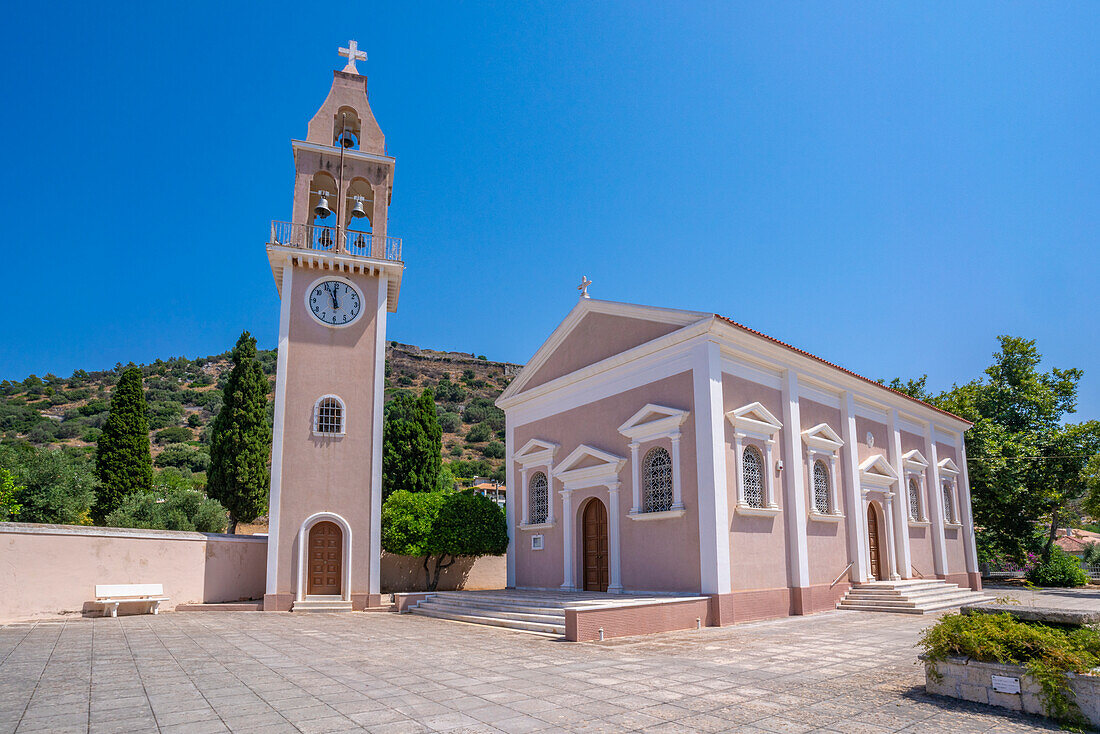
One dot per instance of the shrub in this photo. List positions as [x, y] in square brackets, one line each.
[90, 435]
[173, 434]
[450, 422]
[1060, 570]
[172, 505]
[194, 420]
[182, 456]
[1048, 653]
[9, 508]
[449, 392]
[495, 450]
[456, 451]
[479, 433]
[54, 486]
[483, 410]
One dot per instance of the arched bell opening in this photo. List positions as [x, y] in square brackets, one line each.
[346, 128]
[323, 197]
[359, 216]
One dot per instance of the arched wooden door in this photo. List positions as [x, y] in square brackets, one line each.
[326, 550]
[595, 546]
[872, 542]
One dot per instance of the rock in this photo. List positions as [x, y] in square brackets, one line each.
[1046, 615]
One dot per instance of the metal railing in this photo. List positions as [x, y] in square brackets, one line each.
[338, 241]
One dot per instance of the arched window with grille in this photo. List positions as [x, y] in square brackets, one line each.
[539, 499]
[822, 495]
[948, 505]
[657, 481]
[752, 469]
[329, 416]
[914, 499]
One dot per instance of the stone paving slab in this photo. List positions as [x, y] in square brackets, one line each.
[263, 672]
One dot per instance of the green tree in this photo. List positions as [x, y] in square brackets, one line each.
[51, 486]
[240, 439]
[123, 462]
[442, 527]
[412, 444]
[9, 507]
[174, 504]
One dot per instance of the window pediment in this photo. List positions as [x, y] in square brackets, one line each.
[754, 419]
[536, 452]
[876, 470]
[947, 466]
[586, 463]
[915, 460]
[653, 421]
[822, 437]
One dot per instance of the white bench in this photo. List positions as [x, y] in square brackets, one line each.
[111, 595]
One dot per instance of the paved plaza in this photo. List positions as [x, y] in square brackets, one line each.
[202, 672]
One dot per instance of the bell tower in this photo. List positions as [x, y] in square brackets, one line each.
[338, 273]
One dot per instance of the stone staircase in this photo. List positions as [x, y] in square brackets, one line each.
[536, 613]
[322, 604]
[912, 596]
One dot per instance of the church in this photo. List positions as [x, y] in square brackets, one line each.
[648, 450]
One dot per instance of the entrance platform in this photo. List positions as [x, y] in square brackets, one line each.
[569, 615]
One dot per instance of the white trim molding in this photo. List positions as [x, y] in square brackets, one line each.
[756, 422]
[604, 472]
[536, 453]
[303, 553]
[278, 432]
[317, 417]
[823, 444]
[877, 472]
[375, 580]
[653, 423]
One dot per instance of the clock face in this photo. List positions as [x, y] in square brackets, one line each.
[335, 302]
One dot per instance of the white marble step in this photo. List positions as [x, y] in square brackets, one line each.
[909, 589]
[491, 605]
[912, 596]
[553, 630]
[321, 605]
[923, 601]
[499, 613]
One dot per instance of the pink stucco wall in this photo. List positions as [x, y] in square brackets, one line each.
[322, 474]
[47, 570]
[655, 555]
[826, 542]
[953, 537]
[598, 336]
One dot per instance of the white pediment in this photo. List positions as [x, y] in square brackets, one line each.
[536, 452]
[754, 418]
[588, 465]
[653, 421]
[915, 460]
[877, 470]
[947, 466]
[822, 437]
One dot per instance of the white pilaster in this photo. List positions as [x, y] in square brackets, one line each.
[900, 522]
[888, 508]
[738, 465]
[510, 502]
[834, 488]
[769, 473]
[635, 487]
[677, 488]
[967, 516]
[567, 539]
[710, 452]
[857, 511]
[614, 576]
[376, 438]
[935, 503]
[551, 517]
[523, 512]
[793, 476]
[273, 510]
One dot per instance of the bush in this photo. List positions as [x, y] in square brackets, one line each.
[93, 407]
[449, 392]
[1060, 570]
[483, 410]
[174, 434]
[450, 422]
[183, 456]
[1048, 653]
[172, 505]
[479, 433]
[495, 450]
[54, 486]
[194, 420]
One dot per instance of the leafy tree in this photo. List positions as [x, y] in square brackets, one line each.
[123, 462]
[412, 444]
[182, 456]
[479, 433]
[174, 504]
[917, 388]
[240, 439]
[173, 434]
[9, 508]
[442, 527]
[449, 392]
[194, 420]
[450, 422]
[495, 450]
[483, 410]
[51, 486]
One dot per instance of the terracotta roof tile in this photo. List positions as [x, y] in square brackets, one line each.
[838, 367]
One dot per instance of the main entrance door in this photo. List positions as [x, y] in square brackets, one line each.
[326, 546]
[872, 542]
[595, 546]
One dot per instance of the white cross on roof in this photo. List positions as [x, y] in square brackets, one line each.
[353, 53]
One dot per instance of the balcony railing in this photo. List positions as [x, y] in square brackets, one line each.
[330, 239]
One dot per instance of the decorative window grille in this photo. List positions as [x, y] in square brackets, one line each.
[948, 506]
[329, 417]
[752, 472]
[540, 499]
[914, 499]
[657, 481]
[821, 488]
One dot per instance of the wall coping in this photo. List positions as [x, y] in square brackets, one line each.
[28, 528]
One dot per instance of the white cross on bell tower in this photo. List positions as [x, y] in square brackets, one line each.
[353, 54]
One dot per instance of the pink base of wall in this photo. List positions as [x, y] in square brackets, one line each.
[584, 625]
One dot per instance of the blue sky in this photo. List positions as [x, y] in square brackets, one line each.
[889, 186]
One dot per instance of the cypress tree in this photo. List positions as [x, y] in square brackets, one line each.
[123, 462]
[412, 444]
[240, 439]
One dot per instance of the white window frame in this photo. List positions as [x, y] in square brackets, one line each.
[536, 454]
[949, 486]
[531, 498]
[823, 444]
[754, 425]
[653, 423]
[645, 490]
[317, 417]
[914, 466]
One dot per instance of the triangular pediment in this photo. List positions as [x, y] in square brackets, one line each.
[877, 470]
[536, 451]
[651, 421]
[947, 466]
[588, 463]
[595, 331]
[823, 437]
[754, 418]
[915, 460]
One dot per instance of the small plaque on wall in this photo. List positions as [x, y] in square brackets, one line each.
[536, 542]
[1006, 684]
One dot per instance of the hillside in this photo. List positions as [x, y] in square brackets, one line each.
[185, 394]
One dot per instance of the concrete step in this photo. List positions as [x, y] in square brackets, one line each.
[485, 604]
[322, 604]
[229, 606]
[915, 588]
[911, 596]
[552, 630]
[922, 602]
[489, 612]
[542, 602]
[924, 594]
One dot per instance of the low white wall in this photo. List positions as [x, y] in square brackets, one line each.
[47, 570]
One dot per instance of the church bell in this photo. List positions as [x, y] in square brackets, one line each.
[322, 209]
[358, 211]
